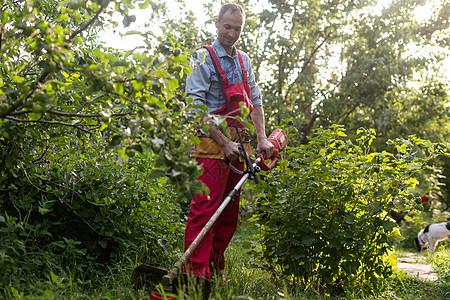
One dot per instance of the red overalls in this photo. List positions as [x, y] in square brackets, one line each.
[209, 255]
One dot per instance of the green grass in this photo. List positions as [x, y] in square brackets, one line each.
[441, 264]
[246, 278]
[406, 287]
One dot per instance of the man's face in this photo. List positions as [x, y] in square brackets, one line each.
[229, 28]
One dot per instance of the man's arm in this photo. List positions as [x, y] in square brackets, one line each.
[260, 128]
[230, 148]
[198, 83]
[258, 112]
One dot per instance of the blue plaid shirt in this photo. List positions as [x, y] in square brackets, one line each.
[203, 85]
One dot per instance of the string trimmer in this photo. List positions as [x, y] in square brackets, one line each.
[143, 272]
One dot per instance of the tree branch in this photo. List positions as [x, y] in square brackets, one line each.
[85, 26]
[20, 112]
[89, 102]
[48, 122]
[21, 102]
[1, 37]
[343, 117]
[314, 52]
[305, 64]
[65, 114]
[41, 156]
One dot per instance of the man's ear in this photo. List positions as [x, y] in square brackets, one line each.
[217, 23]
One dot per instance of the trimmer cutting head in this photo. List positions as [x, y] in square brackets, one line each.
[146, 275]
[167, 286]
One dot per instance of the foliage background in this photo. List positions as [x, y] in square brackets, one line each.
[94, 170]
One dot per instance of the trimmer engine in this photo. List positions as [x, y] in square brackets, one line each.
[279, 140]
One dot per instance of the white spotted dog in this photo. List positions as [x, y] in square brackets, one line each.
[432, 234]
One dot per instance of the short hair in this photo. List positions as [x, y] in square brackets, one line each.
[232, 7]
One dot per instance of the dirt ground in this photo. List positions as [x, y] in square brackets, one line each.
[414, 265]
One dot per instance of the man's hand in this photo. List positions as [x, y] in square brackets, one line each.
[265, 145]
[231, 150]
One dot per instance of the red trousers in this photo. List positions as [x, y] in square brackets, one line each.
[209, 255]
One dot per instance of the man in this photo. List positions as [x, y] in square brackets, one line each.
[234, 69]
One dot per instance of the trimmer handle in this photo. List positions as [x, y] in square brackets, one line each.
[279, 140]
[263, 165]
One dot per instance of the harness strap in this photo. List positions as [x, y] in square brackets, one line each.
[224, 94]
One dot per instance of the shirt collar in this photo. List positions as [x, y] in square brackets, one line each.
[220, 51]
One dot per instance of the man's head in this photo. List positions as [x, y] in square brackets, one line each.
[229, 24]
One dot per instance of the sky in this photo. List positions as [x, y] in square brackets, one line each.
[113, 39]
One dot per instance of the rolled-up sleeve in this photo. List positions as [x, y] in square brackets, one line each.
[198, 83]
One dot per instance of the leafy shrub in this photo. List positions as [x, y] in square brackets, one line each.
[323, 211]
[79, 208]
[66, 204]
[441, 265]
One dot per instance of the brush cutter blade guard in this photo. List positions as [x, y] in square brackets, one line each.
[279, 140]
[146, 275]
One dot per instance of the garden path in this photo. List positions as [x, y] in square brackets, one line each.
[414, 265]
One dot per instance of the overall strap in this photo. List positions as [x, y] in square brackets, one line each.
[221, 84]
[222, 73]
[244, 71]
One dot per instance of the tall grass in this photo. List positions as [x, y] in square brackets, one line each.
[246, 277]
[441, 263]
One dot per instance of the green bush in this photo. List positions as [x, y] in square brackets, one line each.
[67, 204]
[324, 210]
[441, 265]
[79, 208]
